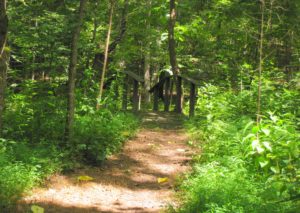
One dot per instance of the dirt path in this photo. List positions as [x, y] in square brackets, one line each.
[128, 182]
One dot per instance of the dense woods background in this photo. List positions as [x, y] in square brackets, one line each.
[56, 56]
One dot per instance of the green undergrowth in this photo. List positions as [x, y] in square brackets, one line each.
[101, 134]
[33, 147]
[236, 172]
[23, 165]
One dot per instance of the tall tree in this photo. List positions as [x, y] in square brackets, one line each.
[173, 58]
[3, 25]
[106, 53]
[147, 55]
[72, 71]
[261, 63]
[3, 57]
[99, 57]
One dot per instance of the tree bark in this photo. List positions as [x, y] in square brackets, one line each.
[173, 59]
[167, 94]
[135, 98]
[3, 76]
[72, 72]
[147, 75]
[4, 55]
[99, 57]
[93, 40]
[3, 26]
[155, 100]
[192, 100]
[125, 93]
[260, 66]
[105, 55]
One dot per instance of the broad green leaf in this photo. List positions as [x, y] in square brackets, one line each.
[266, 132]
[268, 146]
[263, 163]
[275, 170]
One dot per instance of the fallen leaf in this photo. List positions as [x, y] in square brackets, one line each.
[126, 133]
[162, 180]
[37, 209]
[85, 178]
[180, 150]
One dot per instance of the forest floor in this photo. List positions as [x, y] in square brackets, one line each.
[128, 181]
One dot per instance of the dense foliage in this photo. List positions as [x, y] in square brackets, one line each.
[244, 56]
[34, 129]
[247, 117]
[236, 172]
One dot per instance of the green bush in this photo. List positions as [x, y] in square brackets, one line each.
[236, 172]
[22, 166]
[36, 113]
[216, 187]
[100, 134]
[34, 128]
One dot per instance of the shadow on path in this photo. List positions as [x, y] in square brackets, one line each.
[128, 182]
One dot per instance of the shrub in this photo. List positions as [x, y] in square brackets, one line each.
[236, 172]
[22, 166]
[101, 134]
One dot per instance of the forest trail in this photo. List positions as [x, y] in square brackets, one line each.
[128, 182]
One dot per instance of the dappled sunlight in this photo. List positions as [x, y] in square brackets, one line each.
[128, 182]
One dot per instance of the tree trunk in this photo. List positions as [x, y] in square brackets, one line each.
[147, 75]
[192, 100]
[155, 100]
[125, 93]
[135, 98]
[3, 26]
[99, 57]
[4, 55]
[173, 59]
[72, 72]
[3, 76]
[167, 94]
[261, 63]
[93, 40]
[105, 55]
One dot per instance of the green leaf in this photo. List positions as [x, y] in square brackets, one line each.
[275, 170]
[267, 145]
[266, 132]
[255, 129]
[257, 146]
[263, 163]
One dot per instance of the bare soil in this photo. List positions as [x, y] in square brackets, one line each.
[128, 182]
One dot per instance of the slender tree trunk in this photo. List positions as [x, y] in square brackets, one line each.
[147, 75]
[173, 59]
[93, 40]
[99, 98]
[4, 55]
[72, 72]
[3, 76]
[3, 26]
[99, 57]
[261, 63]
